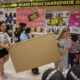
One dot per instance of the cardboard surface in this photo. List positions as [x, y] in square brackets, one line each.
[34, 52]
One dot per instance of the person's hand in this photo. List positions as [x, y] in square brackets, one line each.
[61, 58]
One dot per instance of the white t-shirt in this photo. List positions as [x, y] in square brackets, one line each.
[4, 39]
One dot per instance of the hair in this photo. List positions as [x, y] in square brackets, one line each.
[20, 29]
[74, 37]
[1, 22]
[28, 30]
[63, 31]
[57, 75]
[22, 24]
[74, 73]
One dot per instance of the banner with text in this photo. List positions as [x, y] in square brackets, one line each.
[74, 20]
[42, 3]
[33, 17]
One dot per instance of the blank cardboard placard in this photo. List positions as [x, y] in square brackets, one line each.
[34, 52]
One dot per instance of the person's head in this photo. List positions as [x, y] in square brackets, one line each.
[23, 26]
[3, 26]
[74, 37]
[74, 73]
[52, 74]
[65, 33]
[28, 30]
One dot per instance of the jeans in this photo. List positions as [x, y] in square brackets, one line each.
[71, 57]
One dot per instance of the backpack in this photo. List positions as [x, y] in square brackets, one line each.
[18, 32]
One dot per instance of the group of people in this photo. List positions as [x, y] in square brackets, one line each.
[66, 44]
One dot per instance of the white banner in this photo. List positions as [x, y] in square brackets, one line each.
[2, 14]
[75, 29]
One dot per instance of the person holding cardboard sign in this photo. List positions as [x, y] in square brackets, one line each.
[25, 36]
[64, 43]
[4, 47]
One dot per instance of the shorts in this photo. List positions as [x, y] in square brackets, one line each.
[3, 52]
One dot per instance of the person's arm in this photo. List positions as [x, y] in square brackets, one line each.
[9, 39]
[69, 44]
[67, 47]
[28, 36]
[3, 46]
[63, 53]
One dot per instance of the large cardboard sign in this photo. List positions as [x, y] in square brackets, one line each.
[34, 52]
